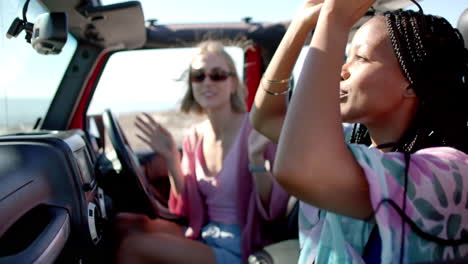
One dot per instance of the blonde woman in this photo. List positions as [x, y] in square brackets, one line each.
[220, 183]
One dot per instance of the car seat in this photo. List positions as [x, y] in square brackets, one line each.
[287, 249]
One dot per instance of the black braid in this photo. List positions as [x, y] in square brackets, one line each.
[360, 135]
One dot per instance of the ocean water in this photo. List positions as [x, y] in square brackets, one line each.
[20, 114]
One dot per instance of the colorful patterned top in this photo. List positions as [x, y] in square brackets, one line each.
[436, 201]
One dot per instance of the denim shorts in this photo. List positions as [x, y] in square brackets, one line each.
[225, 240]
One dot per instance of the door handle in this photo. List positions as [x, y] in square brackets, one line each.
[49, 243]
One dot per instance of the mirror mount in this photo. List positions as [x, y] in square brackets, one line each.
[19, 25]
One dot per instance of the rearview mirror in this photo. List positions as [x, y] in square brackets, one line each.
[47, 35]
[50, 33]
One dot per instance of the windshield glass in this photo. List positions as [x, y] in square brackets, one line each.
[28, 80]
[155, 84]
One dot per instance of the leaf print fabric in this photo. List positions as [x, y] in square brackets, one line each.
[436, 201]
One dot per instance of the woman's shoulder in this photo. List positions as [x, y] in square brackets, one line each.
[438, 158]
[444, 159]
[443, 153]
[437, 155]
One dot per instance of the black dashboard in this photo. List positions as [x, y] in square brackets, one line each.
[50, 201]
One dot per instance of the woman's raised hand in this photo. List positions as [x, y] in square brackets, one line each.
[155, 136]
[347, 12]
[310, 11]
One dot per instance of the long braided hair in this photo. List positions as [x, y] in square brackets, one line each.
[433, 58]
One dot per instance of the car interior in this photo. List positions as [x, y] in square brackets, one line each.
[64, 177]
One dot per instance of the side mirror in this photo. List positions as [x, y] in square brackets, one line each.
[50, 33]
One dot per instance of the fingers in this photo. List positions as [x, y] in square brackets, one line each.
[165, 131]
[148, 131]
[152, 134]
[350, 11]
[145, 140]
[314, 2]
[151, 120]
[310, 11]
[150, 126]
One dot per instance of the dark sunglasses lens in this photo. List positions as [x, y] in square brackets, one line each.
[218, 76]
[198, 76]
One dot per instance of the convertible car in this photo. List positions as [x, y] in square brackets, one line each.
[73, 73]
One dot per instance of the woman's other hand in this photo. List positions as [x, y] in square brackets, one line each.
[161, 141]
[158, 138]
[347, 12]
[309, 13]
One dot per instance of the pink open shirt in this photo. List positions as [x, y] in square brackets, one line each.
[252, 216]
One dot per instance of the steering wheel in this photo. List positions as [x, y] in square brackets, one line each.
[134, 194]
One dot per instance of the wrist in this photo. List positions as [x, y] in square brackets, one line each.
[259, 166]
[173, 159]
[256, 158]
[301, 27]
[338, 21]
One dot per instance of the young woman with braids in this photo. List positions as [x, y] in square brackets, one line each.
[403, 176]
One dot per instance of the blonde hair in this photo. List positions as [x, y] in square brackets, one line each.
[238, 105]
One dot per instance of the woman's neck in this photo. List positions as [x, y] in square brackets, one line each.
[390, 130]
[223, 121]
[385, 137]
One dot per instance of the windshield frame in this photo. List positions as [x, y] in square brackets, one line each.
[30, 80]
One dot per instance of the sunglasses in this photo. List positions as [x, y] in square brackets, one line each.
[216, 75]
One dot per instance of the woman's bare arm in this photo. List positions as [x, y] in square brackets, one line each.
[268, 111]
[313, 162]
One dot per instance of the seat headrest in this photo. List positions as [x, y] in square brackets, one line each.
[463, 26]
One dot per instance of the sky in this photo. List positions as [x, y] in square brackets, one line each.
[170, 11]
[153, 70]
[146, 79]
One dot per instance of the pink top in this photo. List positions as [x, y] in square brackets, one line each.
[219, 191]
[254, 220]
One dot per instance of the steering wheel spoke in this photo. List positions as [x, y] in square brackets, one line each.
[136, 196]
